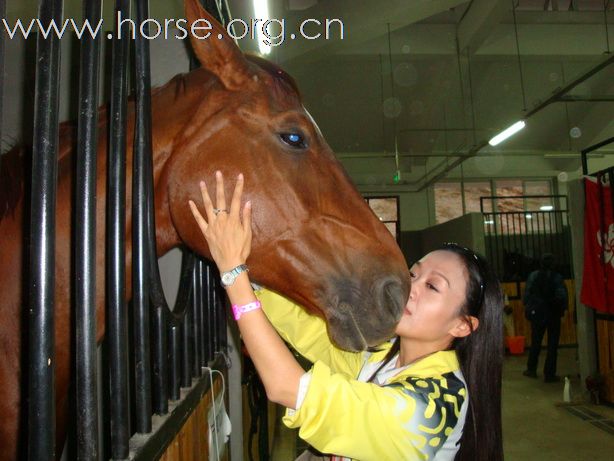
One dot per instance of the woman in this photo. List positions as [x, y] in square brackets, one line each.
[434, 392]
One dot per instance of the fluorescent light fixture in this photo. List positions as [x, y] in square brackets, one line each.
[529, 216]
[546, 208]
[489, 222]
[261, 10]
[512, 130]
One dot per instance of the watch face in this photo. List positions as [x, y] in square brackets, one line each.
[228, 278]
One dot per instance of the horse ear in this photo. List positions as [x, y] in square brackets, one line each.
[221, 56]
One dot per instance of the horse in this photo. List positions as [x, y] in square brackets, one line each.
[316, 241]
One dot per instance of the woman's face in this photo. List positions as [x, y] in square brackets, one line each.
[438, 290]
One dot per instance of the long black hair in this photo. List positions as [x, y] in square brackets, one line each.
[481, 359]
[480, 355]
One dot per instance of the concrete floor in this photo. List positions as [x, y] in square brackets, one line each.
[535, 426]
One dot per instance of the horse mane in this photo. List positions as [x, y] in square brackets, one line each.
[15, 163]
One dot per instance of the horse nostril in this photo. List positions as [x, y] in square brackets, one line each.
[389, 295]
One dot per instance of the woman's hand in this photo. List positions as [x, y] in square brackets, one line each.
[229, 237]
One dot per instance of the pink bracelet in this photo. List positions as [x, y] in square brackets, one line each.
[238, 311]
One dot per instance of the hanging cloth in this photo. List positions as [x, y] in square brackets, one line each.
[598, 275]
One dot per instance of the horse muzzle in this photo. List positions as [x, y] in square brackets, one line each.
[361, 318]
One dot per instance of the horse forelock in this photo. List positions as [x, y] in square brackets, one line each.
[283, 82]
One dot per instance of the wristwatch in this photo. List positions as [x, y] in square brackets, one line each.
[228, 278]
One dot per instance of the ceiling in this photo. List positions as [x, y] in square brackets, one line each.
[434, 79]
[461, 72]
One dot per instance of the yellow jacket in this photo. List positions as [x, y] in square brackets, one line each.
[418, 414]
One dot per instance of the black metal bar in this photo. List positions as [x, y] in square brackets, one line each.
[177, 318]
[140, 262]
[215, 311]
[496, 243]
[160, 362]
[196, 303]
[204, 300]
[221, 319]
[175, 362]
[117, 317]
[41, 388]
[186, 355]
[550, 215]
[85, 241]
[558, 93]
[208, 290]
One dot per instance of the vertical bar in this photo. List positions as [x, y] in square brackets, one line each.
[186, 356]
[175, 345]
[117, 317]
[533, 246]
[221, 325]
[522, 226]
[204, 300]
[85, 241]
[209, 314]
[140, 262]
[160, 361]
[41, 390]
[495, 237]
[196, 301]
[215, 312]
[2, 39]
[514, 240]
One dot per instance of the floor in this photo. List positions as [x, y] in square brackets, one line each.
[536, 425]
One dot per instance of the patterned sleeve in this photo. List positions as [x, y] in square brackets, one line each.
[404, 421]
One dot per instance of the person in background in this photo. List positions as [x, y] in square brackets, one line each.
[545, 300]
[432, 393]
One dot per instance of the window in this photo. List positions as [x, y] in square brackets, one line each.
[537, 188]
[509, 188]
[452, 202]
[448, 201]
[473, 192]
[387, 210]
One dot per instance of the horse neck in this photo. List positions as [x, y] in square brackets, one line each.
[173, 106]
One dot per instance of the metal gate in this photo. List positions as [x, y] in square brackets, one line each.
[516, 239]
[170, 347]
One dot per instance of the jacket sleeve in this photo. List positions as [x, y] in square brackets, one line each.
[365, 421]
[307, 333]
[527, 299]
[561, 295]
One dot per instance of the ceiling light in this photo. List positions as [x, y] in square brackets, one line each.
[546, 208]
[261, 9]
[515, 128]
[489, 222]
[528, 216]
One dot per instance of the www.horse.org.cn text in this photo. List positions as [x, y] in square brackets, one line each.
[273, 32]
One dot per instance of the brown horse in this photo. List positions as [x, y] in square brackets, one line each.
[315, 239]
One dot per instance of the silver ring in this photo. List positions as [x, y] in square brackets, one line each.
[216, 211]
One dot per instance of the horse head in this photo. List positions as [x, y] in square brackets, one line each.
[316, 240]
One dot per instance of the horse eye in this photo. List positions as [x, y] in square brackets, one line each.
[293, 140]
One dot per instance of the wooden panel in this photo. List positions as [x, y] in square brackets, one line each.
[605, 344]
[191, 443]
[522, 327]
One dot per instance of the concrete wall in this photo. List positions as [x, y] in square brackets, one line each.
[467, 230]
[587, 354]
